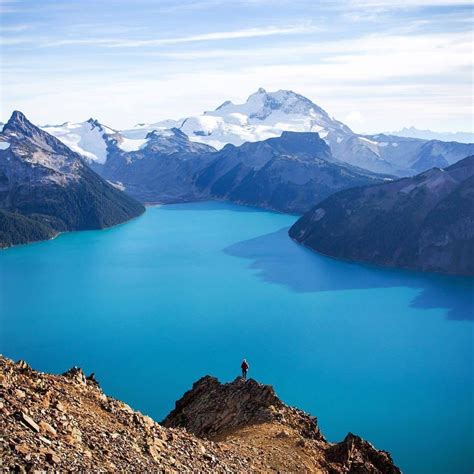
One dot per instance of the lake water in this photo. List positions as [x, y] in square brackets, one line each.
[187, 290]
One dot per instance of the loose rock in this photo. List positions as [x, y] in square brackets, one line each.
[66, 423]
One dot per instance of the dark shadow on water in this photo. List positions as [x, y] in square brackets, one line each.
[280, 260]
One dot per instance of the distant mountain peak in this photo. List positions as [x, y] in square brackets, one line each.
[263, 115]
[173, 140]
[18, 115]
[266, 108]
[19, 127]
[18, 122]
[24, 134]
[224, 104]
[169, 133]
[101, 127]
[425, 134]
[177, 132]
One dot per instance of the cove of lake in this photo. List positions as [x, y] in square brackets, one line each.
[187, 290]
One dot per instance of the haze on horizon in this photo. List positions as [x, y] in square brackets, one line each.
[376, 65]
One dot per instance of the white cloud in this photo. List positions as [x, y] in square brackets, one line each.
[443, 50]
[121, 101]
[215, 36]
[387, 79]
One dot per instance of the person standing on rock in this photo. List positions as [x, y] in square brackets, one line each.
[245, 367]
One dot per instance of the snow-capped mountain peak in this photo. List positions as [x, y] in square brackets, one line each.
[261, 104]
[91, 139]
[88, 138]
[412, 132]
[263, 115]
[173, 140]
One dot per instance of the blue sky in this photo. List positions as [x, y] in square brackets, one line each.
[375, 64]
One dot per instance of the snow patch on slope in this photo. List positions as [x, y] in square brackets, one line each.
[141, 130]
[264, 115]
[132, 144]
[86, 138]
[371, 145]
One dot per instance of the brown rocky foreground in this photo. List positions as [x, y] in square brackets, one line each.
[65, 422]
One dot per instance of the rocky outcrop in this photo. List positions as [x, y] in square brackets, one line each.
[250, 415]
[66, 423]
[425, 222]
[211, 409]
[360, 456]
[46, 188]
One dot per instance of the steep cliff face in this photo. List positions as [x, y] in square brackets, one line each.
[425, 222]
[65, 422]
[46, 188]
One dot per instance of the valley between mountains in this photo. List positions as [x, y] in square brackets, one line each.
[372, 199]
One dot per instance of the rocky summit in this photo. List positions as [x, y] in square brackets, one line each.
[249, 417]
[46, 188]
[66, 422]
[212, 409]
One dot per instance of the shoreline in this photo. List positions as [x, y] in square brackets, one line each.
[57, 234]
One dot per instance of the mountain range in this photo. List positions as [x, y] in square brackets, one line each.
[162, 170]
[90, 176]
[284, 173]
[46, 188]
[288, 173]
[412, 132]
[267, 115]
[425, 222]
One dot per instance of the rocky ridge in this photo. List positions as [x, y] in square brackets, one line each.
[212, 409]
[45, 188]
[288, 173]
[425, 222]
[267, 115]
[65, 422]
[162, 170]
[249, 415]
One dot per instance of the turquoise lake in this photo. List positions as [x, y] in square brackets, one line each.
[187, 290]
